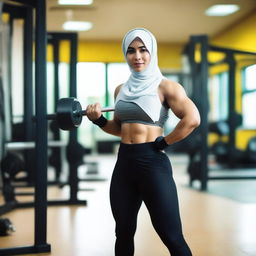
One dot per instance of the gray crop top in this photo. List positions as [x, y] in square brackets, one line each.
[129, 112]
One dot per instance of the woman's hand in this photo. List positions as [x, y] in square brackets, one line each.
[93, 111]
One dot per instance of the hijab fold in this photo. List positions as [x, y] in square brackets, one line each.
[145, 83]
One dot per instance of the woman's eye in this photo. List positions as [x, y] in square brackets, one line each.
[143, 49]
[130, 51]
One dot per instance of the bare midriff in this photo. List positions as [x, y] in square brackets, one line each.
[134, 133]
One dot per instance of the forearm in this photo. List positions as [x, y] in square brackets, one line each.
[112, 127]
[94, 114]
[184, 127]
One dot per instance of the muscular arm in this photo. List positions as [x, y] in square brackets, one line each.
[176, 98]
[112, 126]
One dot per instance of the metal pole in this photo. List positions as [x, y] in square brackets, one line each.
[28, 92]
[73, 168]
[41, 128]
[232, 112]
[204, 112]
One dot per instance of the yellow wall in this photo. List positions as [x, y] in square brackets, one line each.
[241, 36]
[243, 136]
[95, 51]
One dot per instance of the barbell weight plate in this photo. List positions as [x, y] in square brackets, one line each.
[68, 113]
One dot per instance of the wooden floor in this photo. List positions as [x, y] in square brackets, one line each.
[212, 225]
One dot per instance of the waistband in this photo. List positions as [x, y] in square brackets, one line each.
[137, 149]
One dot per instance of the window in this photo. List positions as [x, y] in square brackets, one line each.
[118, 73]
[218, 97]
[173, 77]
[249, 96]
[63, 84]
[91, 88]
[50, 87]
[249, 76]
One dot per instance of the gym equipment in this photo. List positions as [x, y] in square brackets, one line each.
[199, 73]
[251, 150]
[75, 153]
[194, 167]
[69, 113]
[219, 127]
[6, 227]
[220, 148]
[12, 164]
[34, 15]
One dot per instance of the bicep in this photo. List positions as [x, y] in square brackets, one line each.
[115, 119]
[179, 102]
[117, 90]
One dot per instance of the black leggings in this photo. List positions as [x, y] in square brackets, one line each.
[144, 174]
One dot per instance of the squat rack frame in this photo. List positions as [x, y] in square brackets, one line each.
[40, 244]
[55, 38]
[199, 77]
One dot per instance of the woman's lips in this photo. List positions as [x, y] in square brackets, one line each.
[138, 64]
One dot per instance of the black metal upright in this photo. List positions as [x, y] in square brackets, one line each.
[40, 243]
[28, 73]
[199, 74]
[56, 132]
[41, 129]
[73, 173]
[54, 38]
[73, 75]
[28, 92]
[231, 107]
[204, 112]
[56, 57]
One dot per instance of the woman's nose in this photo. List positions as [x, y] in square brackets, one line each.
[137, 56]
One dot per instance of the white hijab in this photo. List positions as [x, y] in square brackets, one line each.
[145, 83]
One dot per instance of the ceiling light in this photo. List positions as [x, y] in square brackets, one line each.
[77, 25]
[75, 2]
[221, 9]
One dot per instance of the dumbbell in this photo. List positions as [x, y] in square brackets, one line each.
[69, 113]
[6, 227]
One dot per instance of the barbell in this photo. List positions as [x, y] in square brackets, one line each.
[69, 113]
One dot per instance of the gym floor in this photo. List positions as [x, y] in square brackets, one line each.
[214, 224]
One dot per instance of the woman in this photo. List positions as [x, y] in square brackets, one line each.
[143, 171]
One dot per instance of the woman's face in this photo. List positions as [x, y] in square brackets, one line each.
[137, 55]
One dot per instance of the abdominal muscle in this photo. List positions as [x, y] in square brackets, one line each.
[134, 133]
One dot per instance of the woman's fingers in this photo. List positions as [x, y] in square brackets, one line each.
[93, 111]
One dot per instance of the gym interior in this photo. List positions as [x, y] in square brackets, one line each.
[56, 168]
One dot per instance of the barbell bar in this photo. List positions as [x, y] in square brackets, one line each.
[69, 113]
